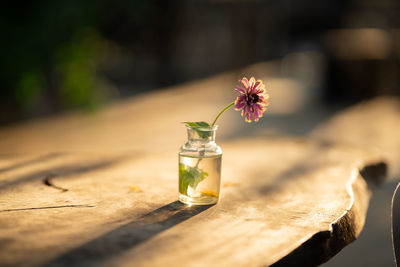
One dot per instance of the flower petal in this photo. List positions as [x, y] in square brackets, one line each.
[245, 82]
[257, 84]
[252, 99]
[252, 81]
[248, 117]
[259, 91]
[240, 89]
[239, 102]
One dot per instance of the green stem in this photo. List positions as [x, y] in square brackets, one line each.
[228, 106]
[201, 154]
[198, 162]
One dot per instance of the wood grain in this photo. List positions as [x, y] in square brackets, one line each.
[372, 125]
[100, 189]
[284, 202]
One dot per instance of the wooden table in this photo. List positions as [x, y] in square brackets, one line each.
[101, 189]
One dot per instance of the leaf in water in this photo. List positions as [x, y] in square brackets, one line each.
[190, 176]
[197, 124]
[201, 127]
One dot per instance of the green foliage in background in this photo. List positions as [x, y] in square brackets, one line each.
[76, 65]
[52, 52]
[29, 88]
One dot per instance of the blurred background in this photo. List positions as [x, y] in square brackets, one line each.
[58, 56]
[62, 55]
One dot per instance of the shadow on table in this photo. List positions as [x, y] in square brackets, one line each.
[63, 171]
[128, 236]
[29, 162]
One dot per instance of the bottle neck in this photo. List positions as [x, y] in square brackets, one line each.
[201, 136]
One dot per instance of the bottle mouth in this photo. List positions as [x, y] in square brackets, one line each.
[202, 134]
[203, 129]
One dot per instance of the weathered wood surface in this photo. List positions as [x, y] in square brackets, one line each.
[101, 189]
[395, 229]
[120, 209]
[374, 125]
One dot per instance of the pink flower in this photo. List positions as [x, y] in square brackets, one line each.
[253, 99]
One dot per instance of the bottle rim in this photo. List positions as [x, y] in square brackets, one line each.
[203, 129]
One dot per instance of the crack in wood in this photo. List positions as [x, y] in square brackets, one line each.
[50, 207]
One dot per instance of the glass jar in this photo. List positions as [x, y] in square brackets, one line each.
[200, 167]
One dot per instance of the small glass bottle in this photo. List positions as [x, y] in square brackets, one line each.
[200, 167]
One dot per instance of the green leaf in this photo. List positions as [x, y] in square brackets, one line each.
[201, 127]
[197, 124]
[189, 176]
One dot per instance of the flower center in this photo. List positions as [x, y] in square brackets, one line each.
[253, 99]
